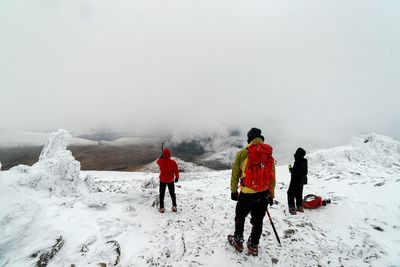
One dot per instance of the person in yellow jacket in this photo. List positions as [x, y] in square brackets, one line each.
[249, 200]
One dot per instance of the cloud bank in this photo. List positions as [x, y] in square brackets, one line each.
[307, 73]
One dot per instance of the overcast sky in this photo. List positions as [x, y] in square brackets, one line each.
[313, 72]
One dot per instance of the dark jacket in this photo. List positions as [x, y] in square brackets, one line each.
[300, 169]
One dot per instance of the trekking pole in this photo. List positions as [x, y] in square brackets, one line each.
[273, 226]
[162, 148]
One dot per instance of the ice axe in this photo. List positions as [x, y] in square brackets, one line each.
[273, 226]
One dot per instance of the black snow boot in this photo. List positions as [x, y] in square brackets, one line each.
[292, 211]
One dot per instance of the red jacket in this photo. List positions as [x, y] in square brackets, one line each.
[168, 167]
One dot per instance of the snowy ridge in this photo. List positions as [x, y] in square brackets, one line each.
[114, 221]
[368, 158]
[183, 166]
[129, 141]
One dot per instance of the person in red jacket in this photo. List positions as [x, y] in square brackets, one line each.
[168, 171]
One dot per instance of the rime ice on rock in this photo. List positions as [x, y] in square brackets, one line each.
[57, 142]
[57, 170]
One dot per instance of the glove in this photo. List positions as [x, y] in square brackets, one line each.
[270, 201]
[176, 180]
[290, 167]
[235, 196]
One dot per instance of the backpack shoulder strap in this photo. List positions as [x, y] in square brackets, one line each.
[309, 197]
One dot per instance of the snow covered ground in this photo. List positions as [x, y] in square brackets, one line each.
[111, 218]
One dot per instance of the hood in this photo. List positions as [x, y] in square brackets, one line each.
[166, 153]
[300, 153]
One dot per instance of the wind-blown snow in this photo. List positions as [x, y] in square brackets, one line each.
[115, 218]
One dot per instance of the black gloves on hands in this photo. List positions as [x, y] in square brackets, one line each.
[176, 180]
[270, 201]
[235, 196]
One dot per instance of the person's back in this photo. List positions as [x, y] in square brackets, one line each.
[298, 179]
[168, 171]
[168, 167]
[300, 168]
[254, 170]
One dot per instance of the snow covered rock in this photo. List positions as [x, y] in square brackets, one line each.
[15, 220]
[57, 170]
[44, 256]
[151, 182]
[95, 200]
[368, 158]
[377, 149]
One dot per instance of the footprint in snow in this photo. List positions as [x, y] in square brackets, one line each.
[289, 233]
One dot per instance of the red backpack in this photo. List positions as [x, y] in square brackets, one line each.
[260, 167]
[312, 202]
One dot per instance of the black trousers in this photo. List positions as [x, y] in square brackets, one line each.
[295, 193]
[255, 205]
[171, 190]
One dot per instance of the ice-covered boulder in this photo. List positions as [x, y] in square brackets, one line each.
[57, 142]
[57, 170]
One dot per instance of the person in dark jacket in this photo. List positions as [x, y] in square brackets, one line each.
[297, 181]
[168, 170]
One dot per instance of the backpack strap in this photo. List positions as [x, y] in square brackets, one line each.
[309, 197]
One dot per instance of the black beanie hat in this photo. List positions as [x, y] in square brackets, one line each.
[300, 152]
[254, 133]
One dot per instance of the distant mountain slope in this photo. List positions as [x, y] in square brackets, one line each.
[122, 153]
[183, 166]
[219, 160]
[13, 139]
